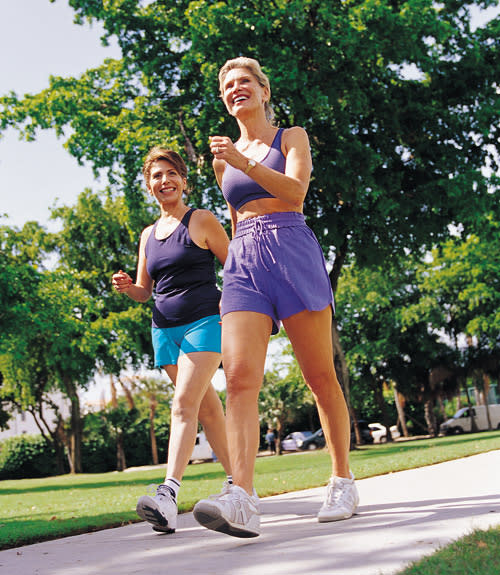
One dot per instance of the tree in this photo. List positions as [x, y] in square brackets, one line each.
[153, 391]
[399, 99]
[284, 397]
[460, 289]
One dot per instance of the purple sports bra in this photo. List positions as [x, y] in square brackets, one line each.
[238, 188]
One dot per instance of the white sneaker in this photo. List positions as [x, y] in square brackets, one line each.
[341, 501]
[160, 510]
[232, 511]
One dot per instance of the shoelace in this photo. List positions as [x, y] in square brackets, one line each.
[160, 490]
[337, 492]
[226, 488]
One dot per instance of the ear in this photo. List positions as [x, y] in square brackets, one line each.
[266, 94]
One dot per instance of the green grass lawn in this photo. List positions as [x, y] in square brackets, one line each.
[34, 510]
[475, 554]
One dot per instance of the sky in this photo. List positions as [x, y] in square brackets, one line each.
[42, 40]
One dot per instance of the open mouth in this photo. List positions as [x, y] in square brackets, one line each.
[239, 99]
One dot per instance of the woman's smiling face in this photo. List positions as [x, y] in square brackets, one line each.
[242, 91]
[165, 183]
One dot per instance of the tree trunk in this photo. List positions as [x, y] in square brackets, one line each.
[343, 377]
[473, 424]
[75, 439]
[152, 433]
[55, 437]
[379, 398]
[279, 431]
[128, 393]
[430, 418]
[486, 394]
[121, 463]
[398, 400]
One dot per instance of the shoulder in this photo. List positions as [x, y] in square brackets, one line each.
[203, 218]
[146, 232]
[294, 136]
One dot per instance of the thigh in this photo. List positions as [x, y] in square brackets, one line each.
[310, 333]
[245, 337]
[194, 374]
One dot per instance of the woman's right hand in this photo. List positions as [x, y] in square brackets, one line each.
[121, 281]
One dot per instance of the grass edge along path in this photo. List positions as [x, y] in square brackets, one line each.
[34, 510]
[476, 553]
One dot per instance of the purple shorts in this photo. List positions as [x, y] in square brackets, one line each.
[275, 266]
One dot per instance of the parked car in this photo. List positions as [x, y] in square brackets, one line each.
[202, 450]
[379, 432]
[314, 441]
[366, 432]
[462, 420]
[293, 441]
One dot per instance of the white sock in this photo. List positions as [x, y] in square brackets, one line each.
[173, 485]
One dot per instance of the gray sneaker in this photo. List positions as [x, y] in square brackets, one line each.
[341, 501]
[232, 511]
[160, 510]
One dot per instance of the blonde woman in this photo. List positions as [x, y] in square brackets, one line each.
[275, 272]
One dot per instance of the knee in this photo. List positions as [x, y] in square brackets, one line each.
[184, 409]
[242, 375]
[323, 383]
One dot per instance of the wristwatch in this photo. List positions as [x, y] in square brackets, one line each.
[251, 164]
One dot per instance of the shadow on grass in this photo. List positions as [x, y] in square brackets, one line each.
[125, 480]
[423, 444]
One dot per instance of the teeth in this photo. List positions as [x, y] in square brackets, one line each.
[239, 99]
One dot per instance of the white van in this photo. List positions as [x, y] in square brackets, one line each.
[202, 449]
[461, 421]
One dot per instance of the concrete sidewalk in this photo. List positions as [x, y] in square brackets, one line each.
[402, 517]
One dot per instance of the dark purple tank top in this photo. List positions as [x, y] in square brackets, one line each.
[238, 188]
[184, 276]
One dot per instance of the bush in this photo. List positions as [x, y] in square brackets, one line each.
[26, 456]
[98, 448]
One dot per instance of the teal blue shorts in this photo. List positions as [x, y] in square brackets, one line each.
[201, 335]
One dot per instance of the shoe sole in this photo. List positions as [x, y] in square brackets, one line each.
[147, 510]
[211, 518]
[337, 518]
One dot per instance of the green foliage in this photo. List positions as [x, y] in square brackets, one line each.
[399, 99]
[98, 447]
[26, 456]
[461, 287]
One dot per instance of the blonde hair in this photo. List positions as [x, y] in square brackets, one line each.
[254, 68]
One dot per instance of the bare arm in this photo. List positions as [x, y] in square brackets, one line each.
[219, 166]
[207, 232]
[290, 187]
[143, 288]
